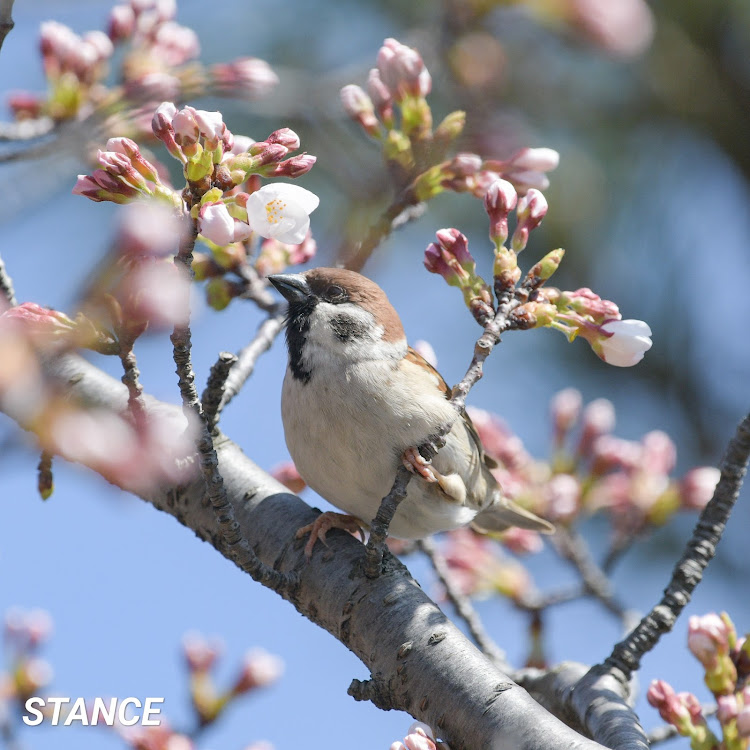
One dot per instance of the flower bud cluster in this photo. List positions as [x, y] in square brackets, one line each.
[450, 258]
[258, 669]
[621, 343]
[592, 471]
[725, 657]
[158, 63]
[124, 176]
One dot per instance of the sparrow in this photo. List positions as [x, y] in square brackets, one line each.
[357, 401]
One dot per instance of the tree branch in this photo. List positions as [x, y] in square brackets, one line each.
[462, 605]
[408, 645]
[626, 655]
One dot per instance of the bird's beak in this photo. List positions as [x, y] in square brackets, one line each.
[293, 286]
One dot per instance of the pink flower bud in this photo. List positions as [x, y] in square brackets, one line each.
[41, 323]
[267, 153]
[381, 95]
[401, 69]
[598, 420]
[562, 495]
[659, 453]
[531, 209]
[697, 487]
[185, 126]
[623, 28]
[360, 108]
[708, 638]
[522, 541]
[216, 225]
[743, 719]
[727, 708]
[565, 408]
[200, 655]
[499, 200]
[121, 24]
[662, 696]
[148, 228]
[175, 44]
[535, 159]
[590, 304]
[100, 43]
[286, 137]
[294, 167]
[210, 124]
[287, 474]
[304, 252]
[249, 76]
[259, 668]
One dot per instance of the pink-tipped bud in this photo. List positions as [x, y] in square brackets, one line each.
[200, 654]
[455, 245]
[41, 323]
[727, 708]
[380, 94]
[708, 638]
[565, 408]
[535, 159]
[267, 153]
[121, 24]
[259, 668]
[286, 137]
[598, 420]
[698, 486]
[294, 167]
[185, 126]
[531, 209]
[216, 225]
[287, 474]
[247, 76]
[360, 108]
[402, 70]
[499, 200]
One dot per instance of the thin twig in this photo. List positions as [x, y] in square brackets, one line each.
[398, 213]
[462, 605]
[268, 330]
[572, 547]
[6, 285]
[236, 544]
[131, 379]
[215, 389]
[687, 574]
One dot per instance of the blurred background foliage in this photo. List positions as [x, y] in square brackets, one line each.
[650, 200]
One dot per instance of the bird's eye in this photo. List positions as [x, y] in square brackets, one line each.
[335, 293]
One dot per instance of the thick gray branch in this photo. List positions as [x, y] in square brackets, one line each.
[418, 660]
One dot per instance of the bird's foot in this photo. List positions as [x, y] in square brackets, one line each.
[417, 464]
[323, 524]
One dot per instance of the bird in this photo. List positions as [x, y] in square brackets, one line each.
[357, 401]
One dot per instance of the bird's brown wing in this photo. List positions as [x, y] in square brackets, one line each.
[416, 358]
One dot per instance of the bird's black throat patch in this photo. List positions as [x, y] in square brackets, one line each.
[297, 326]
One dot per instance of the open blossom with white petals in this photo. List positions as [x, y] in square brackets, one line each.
[281, 211]
[627, 342]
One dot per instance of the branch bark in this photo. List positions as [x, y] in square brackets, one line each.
[418, 660]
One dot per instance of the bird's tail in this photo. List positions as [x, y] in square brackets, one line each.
[504, 513]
